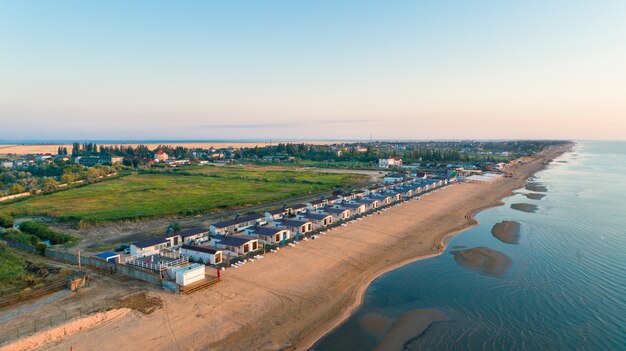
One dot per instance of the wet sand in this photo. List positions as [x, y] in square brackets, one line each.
[535, 196]
[536, 187]
[483, 260]
[375, 324]
[290, 299]
[410, 326]
[508, 232]
[525, 207]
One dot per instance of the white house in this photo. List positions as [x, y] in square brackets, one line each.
[277, 214]
[389, 162]
[385, 199]
[370, 204]
[269, 235]
[338, 213]
[149, 246]
[296, 226]
[236, 225]
[299, 208]
[161, 156]
[206, 254]
[316, 204]
[319, 220]
[238, 244]
[355, 209]
[193, 235]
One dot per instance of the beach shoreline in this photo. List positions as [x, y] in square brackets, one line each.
[441, 240]
[289, 300]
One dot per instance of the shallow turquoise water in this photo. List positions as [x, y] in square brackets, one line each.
[566, 289]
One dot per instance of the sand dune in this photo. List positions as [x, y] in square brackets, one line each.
[507, 232]
[535, 196]
[408, 327]
[525, 207]
[483, 260]
[375, 323]
[537, 187]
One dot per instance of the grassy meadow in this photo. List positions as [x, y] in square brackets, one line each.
[187, 191]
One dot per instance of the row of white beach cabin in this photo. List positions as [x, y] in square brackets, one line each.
[245, 234]
[287, 222]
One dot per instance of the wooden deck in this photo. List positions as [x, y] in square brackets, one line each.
[200, 285]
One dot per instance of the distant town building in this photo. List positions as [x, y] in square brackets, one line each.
[161, 156]
[389, 162]
[43, 157]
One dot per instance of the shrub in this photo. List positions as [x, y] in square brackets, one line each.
[44, 233]
[18, 236]
[6, 220]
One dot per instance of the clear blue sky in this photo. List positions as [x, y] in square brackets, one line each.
[312, 69]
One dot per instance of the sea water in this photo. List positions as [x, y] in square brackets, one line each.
[565, 290]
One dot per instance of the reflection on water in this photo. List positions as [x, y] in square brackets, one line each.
[565, 289]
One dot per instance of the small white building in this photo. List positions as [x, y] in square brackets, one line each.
[299, 208]
[319, 220]
[315, 204]
[389, 162]
[240, 223]
[269, 235]
[355, 209]
[188, 274]
[149, 246]
[238, 244]
[338, 213]
[277, 214]
[193, 235]
[295, 226]
[206, 254]
[161, 156]
[371, 204]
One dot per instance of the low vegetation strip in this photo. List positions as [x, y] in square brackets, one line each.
[44, 233]
[12, 270]
[149, 195]
[22, 274]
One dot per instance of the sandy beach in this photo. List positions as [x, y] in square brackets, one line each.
[288, 300]
[21, 149]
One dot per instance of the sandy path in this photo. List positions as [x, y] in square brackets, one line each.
[288, 300]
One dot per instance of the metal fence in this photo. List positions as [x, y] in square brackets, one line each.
[11, 333]
[49, 288]
[21, 246]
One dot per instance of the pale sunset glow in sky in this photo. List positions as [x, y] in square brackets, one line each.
[312, 69]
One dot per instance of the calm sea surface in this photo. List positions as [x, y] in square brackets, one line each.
[566, 289]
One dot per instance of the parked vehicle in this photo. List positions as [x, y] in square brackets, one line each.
[122, 248]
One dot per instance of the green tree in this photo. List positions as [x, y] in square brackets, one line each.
[49, 184]
[175, 227]
[16, 189]
[6, 220]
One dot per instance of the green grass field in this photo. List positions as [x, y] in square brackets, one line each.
[206, 189]
[12, 272]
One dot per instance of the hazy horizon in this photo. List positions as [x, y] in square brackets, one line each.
[406, 70]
